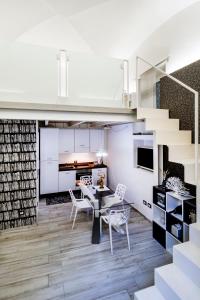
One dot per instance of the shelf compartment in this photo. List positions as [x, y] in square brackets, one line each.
[159, 216]
[170, 242]
[189, 211]
[173, 201]
[159, 234]
[159, 196]
[185, 232]
[171, 220]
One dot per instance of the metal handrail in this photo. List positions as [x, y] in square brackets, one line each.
[196, 120]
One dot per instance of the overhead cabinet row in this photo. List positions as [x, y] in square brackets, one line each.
[54, 141]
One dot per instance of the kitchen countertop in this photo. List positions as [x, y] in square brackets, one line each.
[65, 167]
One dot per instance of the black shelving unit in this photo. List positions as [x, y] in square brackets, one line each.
[18, 199]
[166, 220]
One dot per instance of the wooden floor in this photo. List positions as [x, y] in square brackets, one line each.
[50, 261]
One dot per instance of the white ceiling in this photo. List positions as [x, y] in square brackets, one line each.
[106, 27]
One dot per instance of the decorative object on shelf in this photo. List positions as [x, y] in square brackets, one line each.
[161, 200]
[100, 155]
[176, 230]
[192, 216]
[175, 184]
[165, 174]
[100, 181]
[177, 210]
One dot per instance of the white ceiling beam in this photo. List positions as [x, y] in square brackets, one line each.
[66, 116]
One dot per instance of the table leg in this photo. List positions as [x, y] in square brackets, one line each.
[96, 236]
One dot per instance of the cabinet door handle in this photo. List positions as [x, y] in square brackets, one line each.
[82, 145]
[66, 151]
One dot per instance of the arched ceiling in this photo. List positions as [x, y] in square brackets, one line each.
[105, 27]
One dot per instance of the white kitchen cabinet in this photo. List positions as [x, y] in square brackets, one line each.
[48, 177]
[49, 144]
[66, 140]
[67, 180]
[96, 173]
[96, 140]
[82, 140]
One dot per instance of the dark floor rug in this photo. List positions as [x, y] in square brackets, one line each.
[58, 199]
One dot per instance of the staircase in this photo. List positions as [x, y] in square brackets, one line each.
[167, 132]
[181, 279]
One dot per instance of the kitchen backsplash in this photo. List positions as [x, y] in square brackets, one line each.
[80, 157]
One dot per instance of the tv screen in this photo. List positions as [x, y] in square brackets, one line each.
[145, 158]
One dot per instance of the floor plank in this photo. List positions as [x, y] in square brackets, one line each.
[50, 261]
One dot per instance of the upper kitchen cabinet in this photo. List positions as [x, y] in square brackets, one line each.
[96, 140]
[82, 140]
[66, 140]
[49, 144]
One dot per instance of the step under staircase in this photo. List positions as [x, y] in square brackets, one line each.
[167, 132]
[181, 279]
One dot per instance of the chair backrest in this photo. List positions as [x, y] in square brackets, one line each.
[73, 198]
[119, 216]
[87, 180]
[120, 191]
[86, 192]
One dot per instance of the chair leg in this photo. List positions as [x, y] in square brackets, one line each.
[127, 233]
[71, 212]
[110, 233]
[74, 218]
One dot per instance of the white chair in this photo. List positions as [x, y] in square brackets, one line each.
[78, 204]
[87, 193]
[88, 181]
[116, 218]
[115, 198]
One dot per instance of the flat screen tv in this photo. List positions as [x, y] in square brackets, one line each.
[145, 158]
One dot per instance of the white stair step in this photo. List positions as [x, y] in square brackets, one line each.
[143, 113]
[173, 284]
[181, 137]
[151, 293]
[178, 152]
[158, 124]
[189, 169]
[195, 234]
[187, 257]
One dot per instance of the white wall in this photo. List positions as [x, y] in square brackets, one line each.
[178, 38]
[122, 169]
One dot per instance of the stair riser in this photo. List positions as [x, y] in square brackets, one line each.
[168, 125]
[143, 113]
[187, 266]
[195, 236]
[189, 173]
[176, 153]
[148, 293]
[164, 289]
[173, 138]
